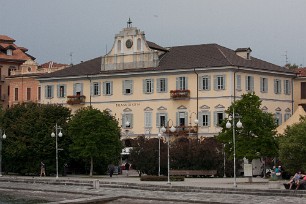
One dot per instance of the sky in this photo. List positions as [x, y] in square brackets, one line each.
[68, 31]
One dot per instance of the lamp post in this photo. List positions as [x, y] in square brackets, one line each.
[1, 138]
[60, 134]
[159, 135]
[196, 121]
[229, 125]
[172, 129]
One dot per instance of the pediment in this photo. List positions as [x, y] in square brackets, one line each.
[219, 106]
[127, 110]
[278, 109]
[148, 109]
[161, 108]
[264, 108]
[204, 107]
[181, 107]
[288, 110]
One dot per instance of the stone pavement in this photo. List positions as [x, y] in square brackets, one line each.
[122, 189]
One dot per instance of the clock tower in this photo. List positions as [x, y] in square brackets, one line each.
[130, 51]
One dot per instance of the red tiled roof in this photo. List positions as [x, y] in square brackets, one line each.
[301, 72]
[52, 64]
[6, 38]
[19, 53]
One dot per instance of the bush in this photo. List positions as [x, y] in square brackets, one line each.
[162, 178]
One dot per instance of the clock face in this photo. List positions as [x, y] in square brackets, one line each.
[129, 43]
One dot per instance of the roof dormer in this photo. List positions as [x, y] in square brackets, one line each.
[244, 52]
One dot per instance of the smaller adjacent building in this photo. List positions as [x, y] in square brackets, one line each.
[23, 85]
[12, 59]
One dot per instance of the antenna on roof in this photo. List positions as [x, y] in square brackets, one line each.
[129, 23]
[286, 56]
[106, 49]
[71, 59]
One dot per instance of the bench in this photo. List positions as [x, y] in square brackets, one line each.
[302, 186]
[193, 173]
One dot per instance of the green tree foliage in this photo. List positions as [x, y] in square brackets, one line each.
[292, 147]
[257, 136]
[184, 154]
[95, 136]
[144, 155]
[28, 127]
[291, 66]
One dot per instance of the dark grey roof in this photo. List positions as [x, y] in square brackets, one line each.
[180, 57]
[90, 67]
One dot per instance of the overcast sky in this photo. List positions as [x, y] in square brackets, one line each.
[53, 29]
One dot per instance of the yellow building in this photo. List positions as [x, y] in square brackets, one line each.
[147, 85]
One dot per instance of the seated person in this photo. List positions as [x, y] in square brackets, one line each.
[300, 182]
[297, 176]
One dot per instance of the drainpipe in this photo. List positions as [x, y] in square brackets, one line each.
[89, 78]
[197, 103]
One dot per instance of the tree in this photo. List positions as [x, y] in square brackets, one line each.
[257, 136]
[291, 66]
[28, 127]
[144, 156]
[95, 136]
[292, 147]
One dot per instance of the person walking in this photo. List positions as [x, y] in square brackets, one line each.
[111, 169]
[127, 168]
[42, 169]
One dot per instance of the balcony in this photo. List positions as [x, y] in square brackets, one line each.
[180, 94]
[75, 100]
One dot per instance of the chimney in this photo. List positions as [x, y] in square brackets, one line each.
[244, 52]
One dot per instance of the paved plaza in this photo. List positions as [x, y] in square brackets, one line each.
[122, 189]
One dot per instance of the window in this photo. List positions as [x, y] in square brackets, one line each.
[39, 93]
[119, 46]
[138, 44]
[148, 119]
[108, 88]
[287, 87]
[16, 94]
[287, 116]
[162, 85]
[218, 117]
[219, 82]
[249, 83]
[95, 89]
[127, 117]
[28, 94]
[49, 91]
[78, 89]
[161, 119]
[277, 86]
[181, 119]
[9, 52]
[303, 90]
[278, 118]
[148, 85]
[181, 83]
[205, 83]
[263, 85]
[204, 119]
[61, 90]
[127, 87]
[238, 82]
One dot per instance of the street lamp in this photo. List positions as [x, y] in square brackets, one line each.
[1, 137]
[159, 135]
[196, 121]
[60, 134]
[172, 129]
[228, 126]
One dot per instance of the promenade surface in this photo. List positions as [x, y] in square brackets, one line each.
[122, 189]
